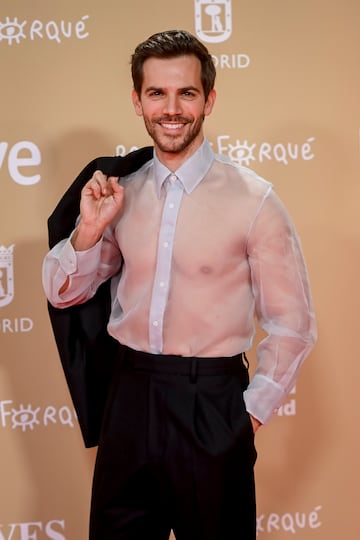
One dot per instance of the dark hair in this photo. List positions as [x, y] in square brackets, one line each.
[171, 44]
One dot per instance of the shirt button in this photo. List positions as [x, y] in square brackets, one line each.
[171, 205]
[166, 244]
[155, 323]
[162, 283]
[173, 177]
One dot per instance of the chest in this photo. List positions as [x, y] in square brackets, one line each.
[204, 232]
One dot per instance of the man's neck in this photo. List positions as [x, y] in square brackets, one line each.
[174, 160]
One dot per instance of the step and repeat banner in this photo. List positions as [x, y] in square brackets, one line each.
[288, 107]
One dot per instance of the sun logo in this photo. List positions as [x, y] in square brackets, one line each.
[12, 30]
[242, 153]
[25, 417]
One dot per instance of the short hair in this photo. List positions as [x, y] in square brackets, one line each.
[171, 44]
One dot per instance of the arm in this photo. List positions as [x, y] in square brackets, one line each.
[74, 268]
[283, 307]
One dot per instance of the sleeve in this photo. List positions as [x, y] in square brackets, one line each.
[85, 270]
[283, 306]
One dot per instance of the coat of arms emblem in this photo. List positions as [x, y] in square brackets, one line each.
[213, 20]
[6, 275]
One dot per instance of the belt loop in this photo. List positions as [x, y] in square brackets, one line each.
[193, 370]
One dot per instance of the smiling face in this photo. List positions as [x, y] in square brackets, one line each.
[172, 103]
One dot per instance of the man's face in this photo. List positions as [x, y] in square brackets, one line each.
[172, 103]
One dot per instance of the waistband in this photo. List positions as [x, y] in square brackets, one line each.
[185, 365]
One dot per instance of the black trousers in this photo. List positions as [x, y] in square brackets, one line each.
[176, 452]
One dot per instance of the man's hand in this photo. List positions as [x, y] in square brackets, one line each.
[255, 423]
[101, 199]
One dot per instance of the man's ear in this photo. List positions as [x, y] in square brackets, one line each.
[210, 102]
[136, 102]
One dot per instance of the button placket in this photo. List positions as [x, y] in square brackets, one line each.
[162, 274]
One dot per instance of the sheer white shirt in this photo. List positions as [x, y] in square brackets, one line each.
[195, 256]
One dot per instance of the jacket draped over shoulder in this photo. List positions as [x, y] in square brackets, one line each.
[86, 350]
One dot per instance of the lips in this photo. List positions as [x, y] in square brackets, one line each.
[171, 126]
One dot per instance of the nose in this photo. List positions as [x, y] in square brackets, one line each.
[172, 105]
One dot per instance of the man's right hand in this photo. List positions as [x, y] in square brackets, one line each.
[101, 200]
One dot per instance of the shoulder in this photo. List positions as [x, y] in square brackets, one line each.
[247, 179]
[124, 165]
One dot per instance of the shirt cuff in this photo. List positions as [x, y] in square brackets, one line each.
[263, 397]
[80, 262]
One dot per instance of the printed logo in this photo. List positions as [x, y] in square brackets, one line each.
[6, 275]
[244, 153]
[13, 31]
[289, 522]
[213, 20]
[288, 408]
[21, 154]
[33, 530]
[16, 325]
[19, 416]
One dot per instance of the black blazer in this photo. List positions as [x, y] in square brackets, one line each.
[87, 352]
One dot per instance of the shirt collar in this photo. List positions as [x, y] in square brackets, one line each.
[190, 173]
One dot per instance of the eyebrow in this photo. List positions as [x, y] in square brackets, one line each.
[161, 89]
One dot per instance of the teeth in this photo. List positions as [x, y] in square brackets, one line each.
[172, 126]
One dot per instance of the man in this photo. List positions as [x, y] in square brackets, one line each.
[196, 246]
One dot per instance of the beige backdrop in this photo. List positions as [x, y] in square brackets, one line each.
[288, 107]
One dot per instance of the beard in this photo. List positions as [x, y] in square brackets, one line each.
[173, 143]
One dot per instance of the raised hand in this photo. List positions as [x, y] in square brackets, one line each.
[101, 200]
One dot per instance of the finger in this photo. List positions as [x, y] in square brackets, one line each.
[118, 191]
[96, 185]
[102, 181]
[114, 182]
